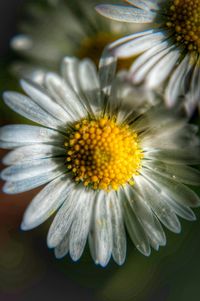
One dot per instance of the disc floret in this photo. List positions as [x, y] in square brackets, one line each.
[103, 154]
[184, 19]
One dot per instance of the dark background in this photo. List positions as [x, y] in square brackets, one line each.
[9, 12]
[29, 271]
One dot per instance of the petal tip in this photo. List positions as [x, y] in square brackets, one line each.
[24, 227]
[50, 243]
[6, 95]
[100, 8]
[58, 255]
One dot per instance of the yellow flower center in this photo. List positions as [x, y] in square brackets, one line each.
[93, 46]
[184, 18]
[103, 154]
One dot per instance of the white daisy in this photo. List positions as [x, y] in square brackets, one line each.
[105, 166]
[170, 49]
[58, 28]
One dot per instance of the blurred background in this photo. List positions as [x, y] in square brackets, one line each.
[29, 271]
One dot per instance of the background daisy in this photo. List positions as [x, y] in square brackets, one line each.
[53, 29]
[106, 166]
[170, 48]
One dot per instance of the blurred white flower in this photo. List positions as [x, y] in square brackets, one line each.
[54, 29]
[170, 48]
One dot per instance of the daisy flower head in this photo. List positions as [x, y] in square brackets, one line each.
[56, 28]
[169, 51]
[106, 166]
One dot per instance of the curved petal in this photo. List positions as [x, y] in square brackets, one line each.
[138, 45]
[21, 134]
[177, 191]
[39, 96]
[80, 226]
[31, 183]
[69, 69]
[64, 218]
[118, 230]
[63, 248]
[161, 209]
[46, 202]
[24, 106]
[90, 85]
[102, 229]
[32, 152]
[125, 13]
[146, 217]
[30, 169]
[107, 69]
[135, 229]
[65, 96]
[180, 173]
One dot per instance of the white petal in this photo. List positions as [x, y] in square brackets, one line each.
[167, 129]
[102, 229]
[10, 145]
[63, 248]
[42, 99]
[192, 97]
[22, 134]
[80, 226]
[113, 104]
[175, 86]
[46, 202]
[91, 241]
[107, 69]
[162, 69]
[145, 4]
[153, 119]
[168, 133]
[152, 61]
[177, 191]
[135, 229]
[118, 230]
[127, 38]
[88, 76]
[180, 173]
[167, 142]
[138, 45]
[125, 13]
[64, 218]
[32, 152]
[181, 210]
[161, 240]
[31, 169]
[65, 96]
[24, 106]
[195, 87]
[90, 84]
[146, 217]
[69, 71]
[139, 3]
[174, 156]
[147, 55]
[31, 183]
[161, 209]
